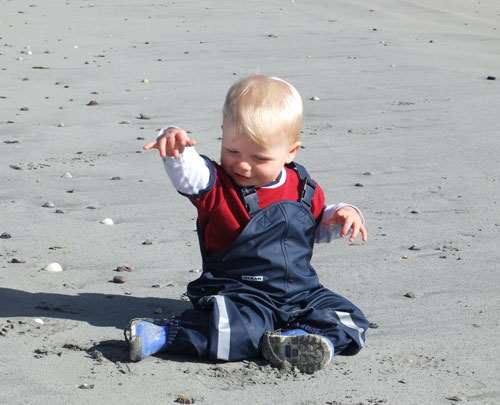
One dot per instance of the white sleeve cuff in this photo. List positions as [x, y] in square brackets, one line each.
[189, 173]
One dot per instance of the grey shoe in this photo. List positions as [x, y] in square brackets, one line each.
[307, 352]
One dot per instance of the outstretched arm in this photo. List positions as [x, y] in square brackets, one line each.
[188, 171]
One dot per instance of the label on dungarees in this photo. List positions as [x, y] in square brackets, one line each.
[253, 278]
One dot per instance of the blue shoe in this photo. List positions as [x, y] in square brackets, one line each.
[297, 348]
[145, 337]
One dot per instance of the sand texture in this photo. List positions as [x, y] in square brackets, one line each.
[402, 103]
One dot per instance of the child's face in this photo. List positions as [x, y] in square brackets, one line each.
[252, 164]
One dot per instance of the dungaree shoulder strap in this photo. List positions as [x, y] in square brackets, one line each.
[250, 200]
[308, 186]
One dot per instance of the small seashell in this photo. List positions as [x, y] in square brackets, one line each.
[49, 204]
[67, 176]
[125, 122]
[53, 268]
[38, 321]
[404, 257]
[61, 125]
[5, 235]
[107, 221]
[92, 103]
[17, 261]
[410, 295]
[144, 116]
[315, 98]
[145, 81]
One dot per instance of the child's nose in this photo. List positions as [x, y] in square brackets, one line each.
[244, 165]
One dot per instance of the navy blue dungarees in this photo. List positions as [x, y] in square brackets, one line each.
[262, 282]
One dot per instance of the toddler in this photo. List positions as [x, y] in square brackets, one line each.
[259, 215]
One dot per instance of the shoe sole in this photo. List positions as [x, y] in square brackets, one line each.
[309, 353]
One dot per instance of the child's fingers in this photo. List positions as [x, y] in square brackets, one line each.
[150, 145]
[354, 234]
[345, 228]
[364, 233]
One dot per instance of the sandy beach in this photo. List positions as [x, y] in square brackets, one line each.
[402, 102]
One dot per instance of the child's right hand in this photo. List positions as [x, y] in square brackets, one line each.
[171, 142]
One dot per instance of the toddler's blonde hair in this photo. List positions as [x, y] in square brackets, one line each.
[258, 106]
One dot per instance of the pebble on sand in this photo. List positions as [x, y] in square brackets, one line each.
[122, 269]
[145, 81]
[107, 221]
[49, 204]
[315, 98]
[18, 261]
[92, 103]
[182, 399]
[119, 279]
[67, 176]
[144, 116]
[5, 235]
[53, 268]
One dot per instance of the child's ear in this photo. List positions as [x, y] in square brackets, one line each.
[293, 151]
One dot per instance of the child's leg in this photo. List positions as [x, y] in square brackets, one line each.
[219, 328]
[222, 328]
[336, 318]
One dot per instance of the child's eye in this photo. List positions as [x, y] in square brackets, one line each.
[261, 158]
[232, 152]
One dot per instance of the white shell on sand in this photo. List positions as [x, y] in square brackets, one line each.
[67, 176]
[38, 321]
[53, 267]
[107, 221]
